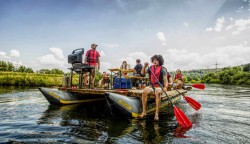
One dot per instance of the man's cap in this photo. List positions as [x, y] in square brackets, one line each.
[94, 44]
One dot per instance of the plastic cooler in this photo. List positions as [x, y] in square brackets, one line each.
[122, 83]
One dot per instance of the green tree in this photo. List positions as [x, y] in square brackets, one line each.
[45, 71]
[246, 68]
[10, 66]
[29, 70]
[21, 68]
[56, 71]
[3, 66]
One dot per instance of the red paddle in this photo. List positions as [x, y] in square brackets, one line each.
[193, 103]
[199, 86]
[180, 116]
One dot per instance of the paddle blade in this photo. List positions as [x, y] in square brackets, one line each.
[193, 103]
[182, 118]
[199, 86]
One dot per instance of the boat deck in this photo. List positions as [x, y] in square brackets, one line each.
[127, 92]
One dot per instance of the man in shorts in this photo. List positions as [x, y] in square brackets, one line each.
[92, 58]
[161, 75]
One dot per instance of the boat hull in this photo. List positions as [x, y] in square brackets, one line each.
[55, 96]
[127, 106]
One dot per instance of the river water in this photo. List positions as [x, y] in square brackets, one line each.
[27, 117]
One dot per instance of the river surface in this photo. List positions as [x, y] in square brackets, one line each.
[27, 117]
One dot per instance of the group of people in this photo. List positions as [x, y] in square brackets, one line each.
[158, 76]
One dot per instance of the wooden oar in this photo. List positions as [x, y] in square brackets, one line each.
[180, 116]
[193, 103]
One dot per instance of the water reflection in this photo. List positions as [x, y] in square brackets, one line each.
[93, 124]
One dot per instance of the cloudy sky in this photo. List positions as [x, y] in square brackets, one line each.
[190, 34]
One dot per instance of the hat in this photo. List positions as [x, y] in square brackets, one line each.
[94, 44]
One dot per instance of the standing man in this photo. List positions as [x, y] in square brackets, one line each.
[161, 74]
[92, 58]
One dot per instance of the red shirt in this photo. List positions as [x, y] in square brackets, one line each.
[97, 54]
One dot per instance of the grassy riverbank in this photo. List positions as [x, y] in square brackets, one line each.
[30, 79]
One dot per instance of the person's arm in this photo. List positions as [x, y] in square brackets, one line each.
[165, 79]
[99, 63]
[143, 71]
[170, 80]
[85, 59]
[135, 69]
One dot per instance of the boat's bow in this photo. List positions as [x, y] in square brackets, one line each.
[55, 96]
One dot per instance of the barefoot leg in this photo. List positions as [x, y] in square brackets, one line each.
[158, 103]
[145, 92]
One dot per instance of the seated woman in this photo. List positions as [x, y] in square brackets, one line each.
[179, 79]
[125, 67]
[105, 79]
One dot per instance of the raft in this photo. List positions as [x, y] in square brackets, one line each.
[122, 102]
[73, 96]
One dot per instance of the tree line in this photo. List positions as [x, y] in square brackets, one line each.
[238, 75]
[10, 67]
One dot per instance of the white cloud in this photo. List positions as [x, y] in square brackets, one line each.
[209, 29]
[229, 27]
[161, 37]
[57, 52]
[55, 59]
[4, 55]
[227, 56]
[102, 53]
[131, 58]
[237, 26]
[110, 45]
[241, 25]
[105, 66]
[14, 53]
[218, 26]
[235, 32]
[185, 24]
